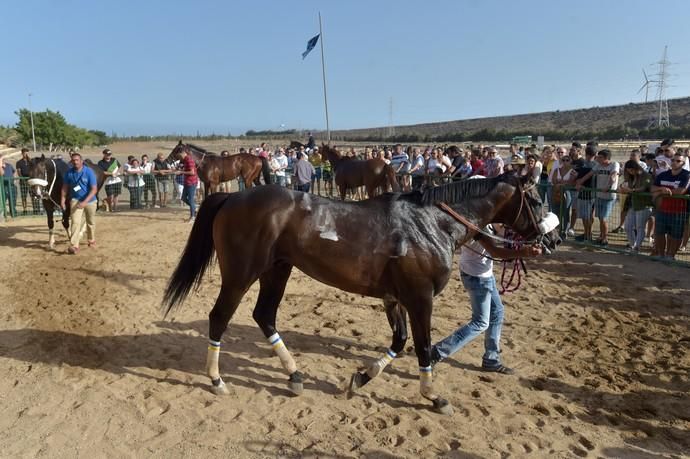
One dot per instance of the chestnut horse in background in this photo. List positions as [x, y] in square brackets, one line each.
[353, 173]
[214, 169]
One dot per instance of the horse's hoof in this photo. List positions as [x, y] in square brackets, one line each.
[358, 380]
[295, 383]
[296, 387]
[443, 406]
[219, 388]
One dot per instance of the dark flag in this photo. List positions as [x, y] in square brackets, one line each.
[310, 45]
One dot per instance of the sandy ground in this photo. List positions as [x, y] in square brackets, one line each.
[600, 343]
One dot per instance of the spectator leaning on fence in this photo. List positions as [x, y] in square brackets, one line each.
[80, 185]
[605, 174]
[672, 212]
[637, 182]
[562, 198]
[135, 183]
[162, 171]
[149, 181]
[113, 183]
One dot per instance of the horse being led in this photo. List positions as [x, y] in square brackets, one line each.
[45, 182]
[397, 247]
[353, 173]
[214, 169]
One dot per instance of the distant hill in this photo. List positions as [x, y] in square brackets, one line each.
[618, 120]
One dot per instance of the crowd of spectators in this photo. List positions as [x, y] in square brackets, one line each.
[576, 182]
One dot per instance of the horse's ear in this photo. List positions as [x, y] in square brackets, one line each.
[43, 156]
[180, 142]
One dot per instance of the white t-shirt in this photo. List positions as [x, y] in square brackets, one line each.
[280, 161]
[474, 260]
[134, 180]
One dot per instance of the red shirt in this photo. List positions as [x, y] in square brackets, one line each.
[188, 164]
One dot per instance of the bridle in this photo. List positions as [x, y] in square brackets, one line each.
[516, 242]
[46, 196]
[523, 204]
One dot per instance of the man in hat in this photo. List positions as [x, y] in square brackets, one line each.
[113, 182]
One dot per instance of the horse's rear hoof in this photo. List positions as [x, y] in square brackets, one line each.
[443, 406]
[218, 387]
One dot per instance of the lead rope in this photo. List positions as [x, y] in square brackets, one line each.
[518, 268]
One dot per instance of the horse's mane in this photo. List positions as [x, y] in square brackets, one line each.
[199, 149]
[455, 192]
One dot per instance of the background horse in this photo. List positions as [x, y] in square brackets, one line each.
[397, 247]
[296, 145]
[45, 182]
[214, 169]
[353, 173]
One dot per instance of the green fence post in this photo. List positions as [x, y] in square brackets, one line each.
[3, 212]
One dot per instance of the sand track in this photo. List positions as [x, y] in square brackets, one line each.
[601, 344]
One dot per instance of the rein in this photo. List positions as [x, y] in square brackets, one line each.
[514, 243]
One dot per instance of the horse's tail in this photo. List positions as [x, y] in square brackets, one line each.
[197, 255]
[392, 179]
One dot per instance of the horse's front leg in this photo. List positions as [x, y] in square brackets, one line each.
[420, 321]
[398, 322]
[51, 224]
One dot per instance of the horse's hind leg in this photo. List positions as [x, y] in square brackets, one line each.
[420, 321]
[271, 292]
[220, 315]
[397, 319]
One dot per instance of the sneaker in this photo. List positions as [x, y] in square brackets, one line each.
[618, 230]
[191, 220]
[580, 238]
[73, 250]
[499, 369]
[156, 206]
[571, 232]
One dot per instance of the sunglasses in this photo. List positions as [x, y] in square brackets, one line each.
[565, 160]
[678, 161]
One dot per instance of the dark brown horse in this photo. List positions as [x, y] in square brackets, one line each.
[353, 173]
[397, 247]
[214, 169]
[45, 182]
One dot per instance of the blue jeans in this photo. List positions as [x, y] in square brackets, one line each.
[189, 198]
[487, 316]
[564, 211]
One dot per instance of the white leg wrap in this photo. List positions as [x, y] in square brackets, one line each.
[212, 360]
[426, 383]
[282, 353]
[377, 367]
[51, 239]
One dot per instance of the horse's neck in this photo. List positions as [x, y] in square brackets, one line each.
[333, 157]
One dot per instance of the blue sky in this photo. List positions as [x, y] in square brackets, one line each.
[154, 67]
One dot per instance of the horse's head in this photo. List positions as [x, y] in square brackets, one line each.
[176, 153]
[525, 214]
[40, 176]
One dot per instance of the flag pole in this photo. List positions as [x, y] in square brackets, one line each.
[323, 72]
